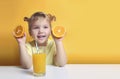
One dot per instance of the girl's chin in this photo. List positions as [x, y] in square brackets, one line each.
[42, 42]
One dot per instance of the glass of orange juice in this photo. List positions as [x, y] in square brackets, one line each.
[39, 61]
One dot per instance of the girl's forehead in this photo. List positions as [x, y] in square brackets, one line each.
[41, 21]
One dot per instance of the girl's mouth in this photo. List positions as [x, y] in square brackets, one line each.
[41, 37]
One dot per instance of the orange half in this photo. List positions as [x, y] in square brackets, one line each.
[19, 31]
[58, 31]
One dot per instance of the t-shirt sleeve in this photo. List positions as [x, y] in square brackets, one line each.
[29, 48]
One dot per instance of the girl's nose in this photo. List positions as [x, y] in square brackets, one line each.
[40, 30]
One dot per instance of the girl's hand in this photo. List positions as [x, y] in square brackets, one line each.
[20, 40]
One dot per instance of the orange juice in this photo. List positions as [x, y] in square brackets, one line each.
[39, 63]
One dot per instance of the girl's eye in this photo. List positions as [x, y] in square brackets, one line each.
[45, 26]
[36, 28]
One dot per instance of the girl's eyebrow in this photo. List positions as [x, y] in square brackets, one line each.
[36, 25]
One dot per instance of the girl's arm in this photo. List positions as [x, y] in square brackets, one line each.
[60, 58]
[25, 58]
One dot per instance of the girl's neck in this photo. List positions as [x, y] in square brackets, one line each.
[42, 44]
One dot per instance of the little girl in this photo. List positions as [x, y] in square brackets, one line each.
[40, 29]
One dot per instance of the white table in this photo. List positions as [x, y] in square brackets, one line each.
[70, 71]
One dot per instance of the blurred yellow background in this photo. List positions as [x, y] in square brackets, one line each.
[93, 28]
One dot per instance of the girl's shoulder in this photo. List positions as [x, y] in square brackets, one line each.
[31, 43]
[50, 43]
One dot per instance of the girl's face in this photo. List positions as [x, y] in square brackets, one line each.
[41, 30]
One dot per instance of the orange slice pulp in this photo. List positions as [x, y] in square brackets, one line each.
[19, 31]
[58, 31]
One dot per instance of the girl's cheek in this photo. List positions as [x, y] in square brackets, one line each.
[33, 34]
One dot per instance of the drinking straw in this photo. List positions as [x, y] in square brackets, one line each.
[36, 46]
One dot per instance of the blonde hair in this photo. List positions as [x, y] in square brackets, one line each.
[38, 15]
